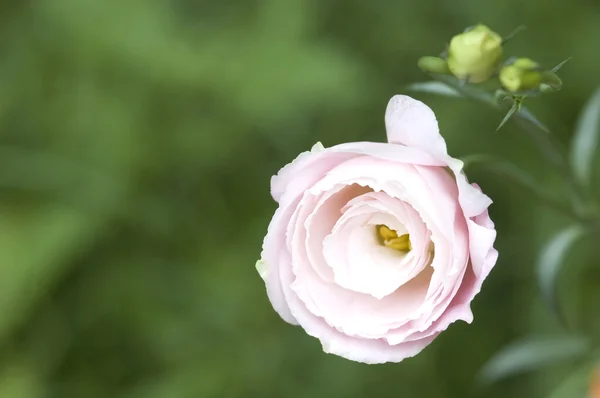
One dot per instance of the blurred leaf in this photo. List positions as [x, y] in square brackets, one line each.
[34, 252]
[550, 260]
[467, 90]
[19, 380]
[526, 115]
[184, 383]
[512, 34]
[585, 140]
[434, 87]
[575, 385]
[513, 175]
[559, 66]
[531, 354]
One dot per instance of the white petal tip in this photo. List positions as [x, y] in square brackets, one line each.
[412, 123]
[261, 267]
[318, 147]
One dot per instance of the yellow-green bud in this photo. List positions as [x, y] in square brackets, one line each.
[523, 74]
[434, 65]
[475, 54]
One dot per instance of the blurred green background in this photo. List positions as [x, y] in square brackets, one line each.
[137, 140]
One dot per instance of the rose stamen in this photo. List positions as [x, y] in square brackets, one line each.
[389, 238]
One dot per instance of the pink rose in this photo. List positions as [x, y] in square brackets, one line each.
[377, 248]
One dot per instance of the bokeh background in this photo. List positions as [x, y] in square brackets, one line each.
[137, 140]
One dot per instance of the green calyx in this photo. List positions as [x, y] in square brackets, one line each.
[434, 65]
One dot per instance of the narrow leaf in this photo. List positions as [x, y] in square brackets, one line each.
[512, 34]
[434, 87]
[551, 259]
[509, 114]
[559, 66]
[531, 354]
[585, 140]
[525, 114]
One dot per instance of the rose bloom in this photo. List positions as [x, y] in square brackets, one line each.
[376, 248]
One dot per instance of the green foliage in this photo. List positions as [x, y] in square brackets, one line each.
[576, 384]
[553, 256]
[137, 139]
[532, 354]
[585, 140]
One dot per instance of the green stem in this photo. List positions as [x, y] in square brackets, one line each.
[541, 137]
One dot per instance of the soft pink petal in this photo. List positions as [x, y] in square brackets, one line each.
[359, 261]
[412, 123]
[371, 351]
[395, 153]
[310, 166]
[472, 200]
[361, 315]
[483, 259]
[273, 245]
[481, 241]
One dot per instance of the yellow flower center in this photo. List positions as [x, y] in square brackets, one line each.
[389, 238]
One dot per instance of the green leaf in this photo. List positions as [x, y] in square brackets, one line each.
[551, 259]
[526, 115]
[509, 114]
[434, 87]
[531, 354]
[575, 385]
[19, 379]
[585, 140]
[35, 248]
[559, 66]
[512, 34]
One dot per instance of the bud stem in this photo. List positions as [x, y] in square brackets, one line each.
[546, 142]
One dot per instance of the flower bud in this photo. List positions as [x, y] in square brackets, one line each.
[523, 74]
[475, 54]
[434, 65]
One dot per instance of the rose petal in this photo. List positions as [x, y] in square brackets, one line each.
[273, 245]
[412, 123]
[472, 200]
[364, 265]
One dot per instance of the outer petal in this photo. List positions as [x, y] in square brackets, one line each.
[483, 258]
[304, 171]
[412, 123]
[370, 351]
[472, 200]
[269, 266]
[310, 166]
